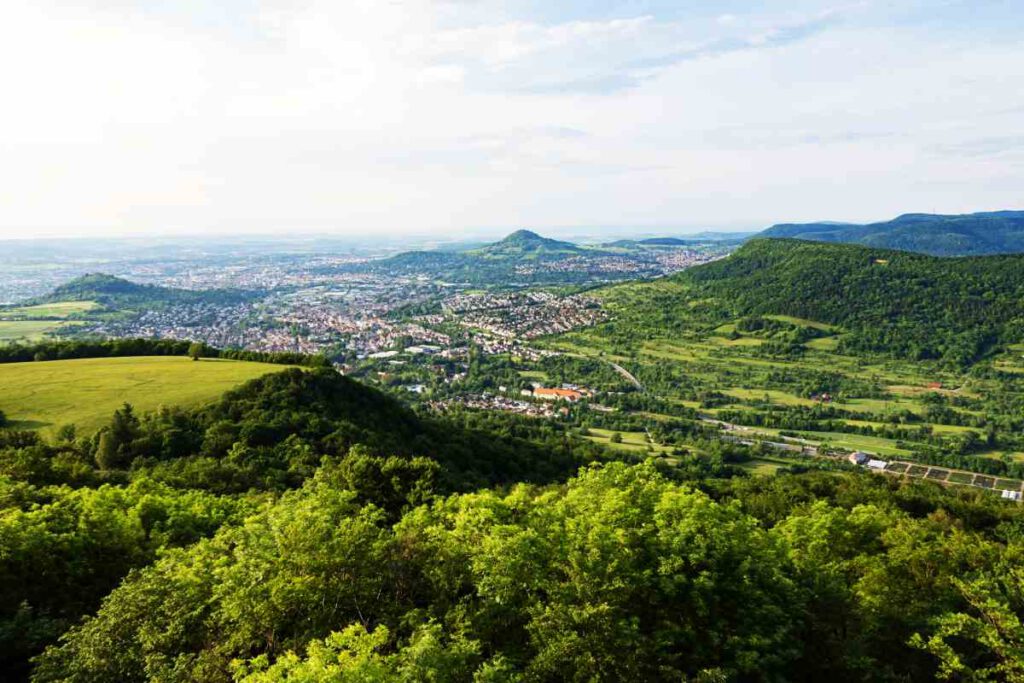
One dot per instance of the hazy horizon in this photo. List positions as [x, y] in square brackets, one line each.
[433, 119]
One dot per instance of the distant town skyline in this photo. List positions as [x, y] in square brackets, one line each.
[454, 119]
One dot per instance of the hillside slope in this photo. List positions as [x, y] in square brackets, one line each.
[116, 292]
[501, 262]
[85, 391]
[527, 244]
[995, 232]
[887, 302]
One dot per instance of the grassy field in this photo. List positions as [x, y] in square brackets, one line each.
[763, 467]
[635, 442]
[86, 391]
[534, 375]
[60, 309]
[34, 323]
[773, 395]
[802, 322]
[28, 330]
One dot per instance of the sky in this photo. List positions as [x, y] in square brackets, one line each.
[462, 117]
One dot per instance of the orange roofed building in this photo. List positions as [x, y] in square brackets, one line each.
[570, 395]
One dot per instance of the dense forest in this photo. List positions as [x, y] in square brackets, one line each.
[307, 527]
[78, 513]
[887, 302]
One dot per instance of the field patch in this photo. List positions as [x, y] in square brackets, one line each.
[773, 396]
[635, 442]
[859, 442]
[85, 392]
[761, 467]
[28, 330]
[823, 344]
[803, 322]
[60, 309]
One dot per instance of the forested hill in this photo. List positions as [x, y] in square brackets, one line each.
[79, 513]
[894, 302]
[498, 262]
[525, 244]
[973, 234]
[117, 292]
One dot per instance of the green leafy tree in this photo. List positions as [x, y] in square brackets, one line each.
[985, 642]
[115, 446]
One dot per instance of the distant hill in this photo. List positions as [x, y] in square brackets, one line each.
[680, 242]
[887, 302]
[499, 262]
[525, 258]
[528, 244]
[103, 288]
[115, 292]
[652, 242]
[973, 234]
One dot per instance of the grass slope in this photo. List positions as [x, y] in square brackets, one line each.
[35, 323]
[58, 309]
[27, 330]
[86, 391]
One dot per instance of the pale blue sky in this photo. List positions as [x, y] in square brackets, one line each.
[472, 117]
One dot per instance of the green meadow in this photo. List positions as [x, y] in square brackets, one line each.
[26, 324]
[636, 442]
[60, 309]
[27, 330]
[763, 467]
[84, 392]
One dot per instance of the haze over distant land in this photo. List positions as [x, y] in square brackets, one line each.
[435, 118]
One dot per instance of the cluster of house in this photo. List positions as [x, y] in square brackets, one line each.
[528, 317]
[418, 350]
[487, 401]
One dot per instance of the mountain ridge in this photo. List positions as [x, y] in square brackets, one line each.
[971, 234]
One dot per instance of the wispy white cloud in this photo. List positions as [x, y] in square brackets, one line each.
[408, 115]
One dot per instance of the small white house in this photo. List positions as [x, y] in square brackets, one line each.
[877, 464]
[1011, 495]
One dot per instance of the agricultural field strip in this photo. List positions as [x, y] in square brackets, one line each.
[900, 381]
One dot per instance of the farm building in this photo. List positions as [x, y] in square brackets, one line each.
[859, 458]
[570, 395]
